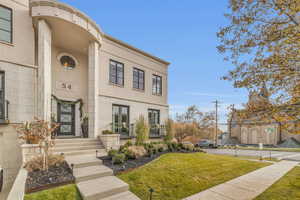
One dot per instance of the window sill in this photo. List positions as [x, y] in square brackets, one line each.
[138, 90]
[7, 43]
[159, 95]
[126, 137]
[117, 85]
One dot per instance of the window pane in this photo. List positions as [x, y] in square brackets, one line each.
[5, 36]
[120, 81]
[5, 25]
[5, 13]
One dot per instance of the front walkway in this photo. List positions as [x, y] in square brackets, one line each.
[248, 186]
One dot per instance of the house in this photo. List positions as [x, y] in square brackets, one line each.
[57, 64]
[254, 129]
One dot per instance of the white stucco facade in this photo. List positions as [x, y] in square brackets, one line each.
[37, 84]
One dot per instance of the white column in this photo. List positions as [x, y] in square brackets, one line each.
[44, 70]
[93, 88]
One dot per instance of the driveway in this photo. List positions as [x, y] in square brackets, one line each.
[281, 155]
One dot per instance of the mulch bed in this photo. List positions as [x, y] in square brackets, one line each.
[132, 164]
[55, 176]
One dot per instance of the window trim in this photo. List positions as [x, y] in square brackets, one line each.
[119, 106]
[3, 118]
[11, 25]
[144, 77]
[110, 81]
[156, 93]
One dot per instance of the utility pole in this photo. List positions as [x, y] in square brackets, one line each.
[216, 102]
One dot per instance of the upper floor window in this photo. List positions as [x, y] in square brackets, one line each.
[138, 79]
[5, 24]
[116, 72]
[156, 85]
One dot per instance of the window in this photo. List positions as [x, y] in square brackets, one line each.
[154, 122]
[116, 72]
[67, 62]
[138, 79]
[120, 124]
[5, 24]
[2, 96]
[156, 85]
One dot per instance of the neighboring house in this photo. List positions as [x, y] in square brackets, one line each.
[254, 130]
[56, 63]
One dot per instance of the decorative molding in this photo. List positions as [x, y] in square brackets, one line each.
[19, 64]
[58, 57]
[108, 37]
[137, 101]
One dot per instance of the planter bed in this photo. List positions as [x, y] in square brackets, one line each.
[131, 164]
[56, 176]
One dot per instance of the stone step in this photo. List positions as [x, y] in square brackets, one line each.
[77, 148]
[101, 152]
[91, 172]
[123, 196]
[73, 144]
[75, 140]
[83, 160]
[101, 188]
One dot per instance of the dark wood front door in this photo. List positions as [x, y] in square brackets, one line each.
[66, 118]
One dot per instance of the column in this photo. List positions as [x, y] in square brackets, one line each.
[44, 70]
[93, 88]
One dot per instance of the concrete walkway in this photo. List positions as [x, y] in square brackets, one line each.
[248, 186]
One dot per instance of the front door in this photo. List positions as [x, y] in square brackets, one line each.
[66, 118]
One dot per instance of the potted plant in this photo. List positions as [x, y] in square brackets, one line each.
[110, 140]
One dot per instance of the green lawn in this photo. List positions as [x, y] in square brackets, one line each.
[175, 176]
[287, 188]
[68, 192]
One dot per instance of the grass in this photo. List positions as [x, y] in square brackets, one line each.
[67, 192]
[287, 188]
[176, 175]
[257, 158]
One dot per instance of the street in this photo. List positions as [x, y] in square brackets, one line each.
[281, 155]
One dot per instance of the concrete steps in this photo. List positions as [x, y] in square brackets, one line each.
[91, 172]
[122, 196]
[101, 188]
[94, 180]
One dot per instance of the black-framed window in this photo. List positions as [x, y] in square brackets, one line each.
[2, 95]
[120, 120]
[6, 24]
[116, 72]
[154, 122]
[138, 79]
[156, 85]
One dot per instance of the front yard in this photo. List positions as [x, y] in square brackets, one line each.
[68, 192]
[178, 175]
[286, 188]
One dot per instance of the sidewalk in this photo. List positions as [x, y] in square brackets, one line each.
[248, 186]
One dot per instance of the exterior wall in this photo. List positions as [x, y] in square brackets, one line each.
[135, 110]
[22, 49]
[130, 59]
[20, 87]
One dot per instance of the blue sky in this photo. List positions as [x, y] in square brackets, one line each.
[181, 32]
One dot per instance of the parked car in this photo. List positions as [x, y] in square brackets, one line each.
[206, 144]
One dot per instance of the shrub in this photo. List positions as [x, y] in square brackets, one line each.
[36, 163]
[142, 131]
[137, 151]
[128, 144]
[188, 147]
[112, 152]
[107, 132]
[198, 149]
[169, 126]
[118, 158]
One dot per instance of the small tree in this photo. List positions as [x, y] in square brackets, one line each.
[169, 125]
[42, 132]
[142, 131]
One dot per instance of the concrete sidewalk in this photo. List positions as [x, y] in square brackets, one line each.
[248, 186]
